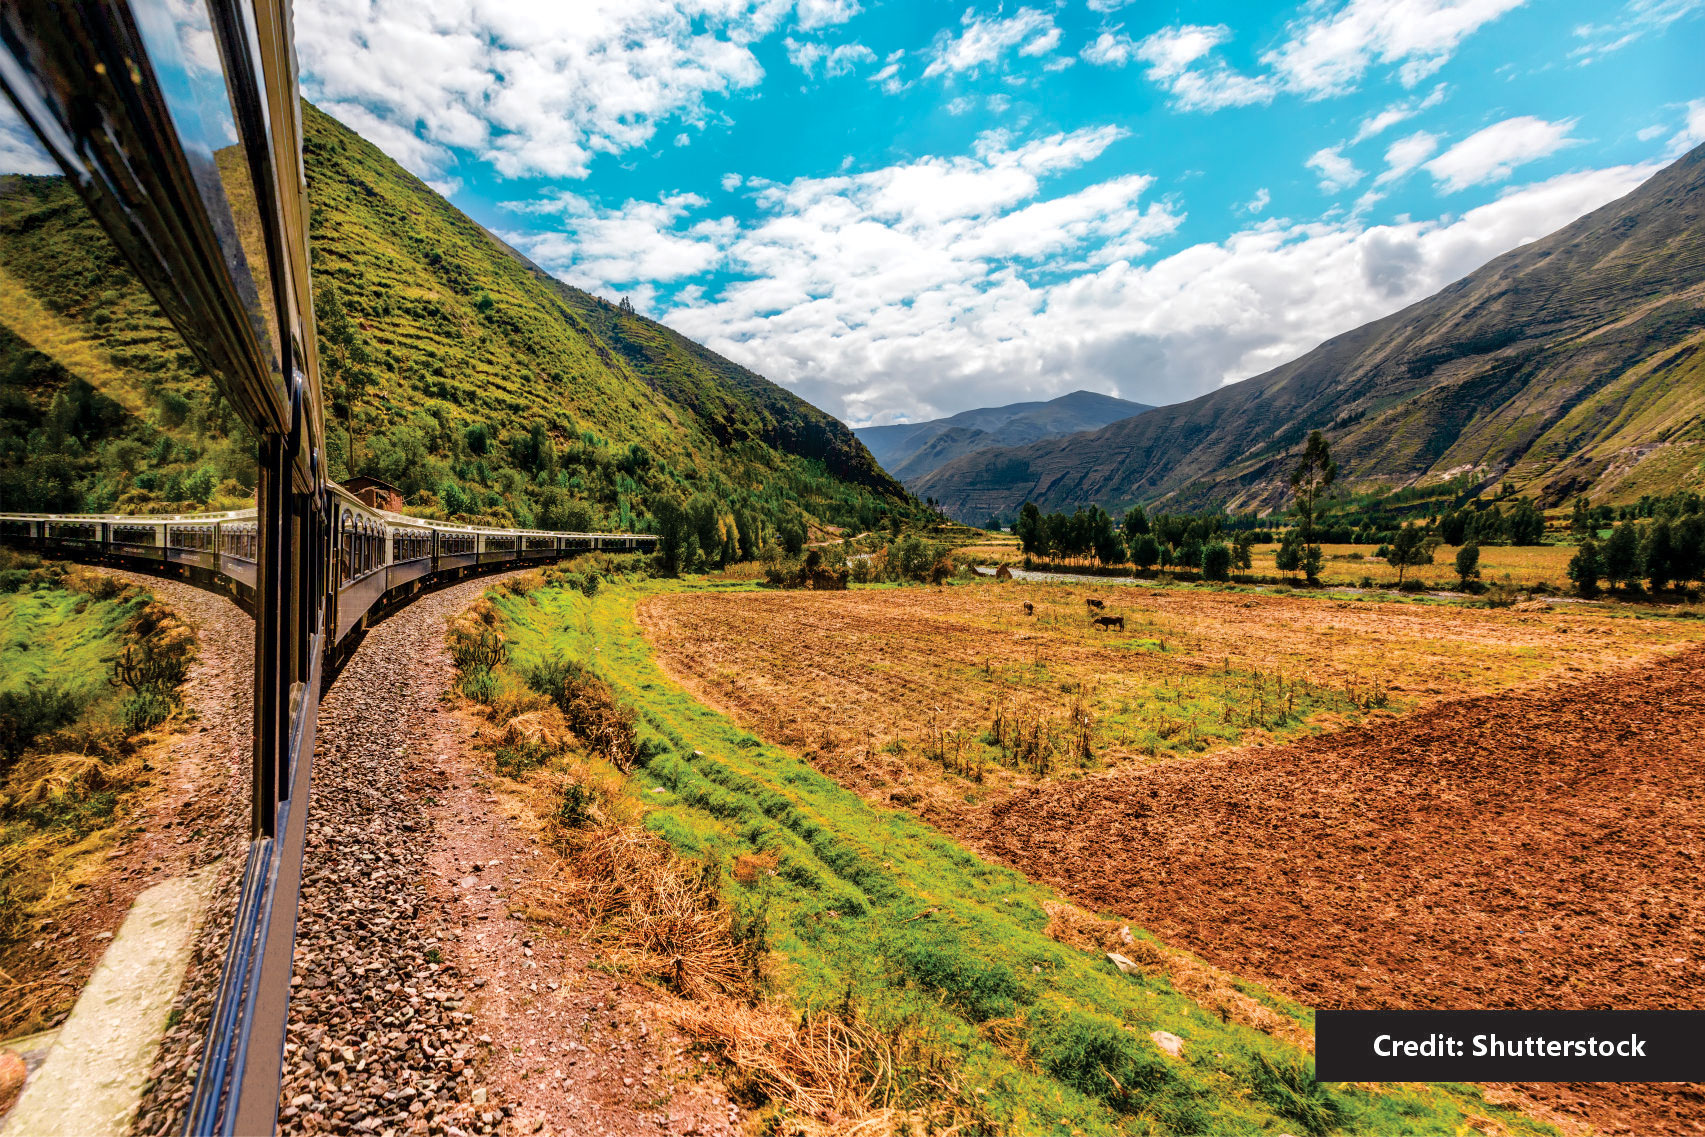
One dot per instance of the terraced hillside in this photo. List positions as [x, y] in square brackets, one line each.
[1574, 364]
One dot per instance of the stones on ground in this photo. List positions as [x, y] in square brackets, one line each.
[12, 1074]
[1128, 966]
[1168, 1042]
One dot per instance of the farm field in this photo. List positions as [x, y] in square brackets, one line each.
[983, 1002]
[1533, 849]
[932, 697]
[1523, 566]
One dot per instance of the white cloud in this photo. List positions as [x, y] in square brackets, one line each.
[983, 40]
[533, 88]
[1325, 52]
[1336, 171]
[1405, 154]
[731, 182]
[1328, 50]
[20, 151]
[870, 299]
[1259, 202]
[1107, 5]
[639, 243]
[1647, 133]
[836, 60]
[1638, 18]
[1492, 154]
[1692, 131]
[1173, 55]
[1110, 49]
[1397, 112]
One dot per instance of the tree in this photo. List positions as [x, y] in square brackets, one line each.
[1525, 524]
[1468, 563]
[1622, 555]
[1104, 539]
[1216, 560]
[1029, 530]
[1581, 523]
[1585, 568]
[1145, 551]
[993, 524]
[1136, 523]
[1409, 546]
[1240, 551]
[1311, 484]
[792, 535]
[674, 535]
[1657, 555]
[1289, 556]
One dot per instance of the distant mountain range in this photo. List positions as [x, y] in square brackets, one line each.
[911, 451]
[1574, 364]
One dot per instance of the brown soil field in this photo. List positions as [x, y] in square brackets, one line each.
[889, 688]
[1539, 849]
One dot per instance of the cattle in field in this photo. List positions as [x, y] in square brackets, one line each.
[1109, 622]
[1029, 608]
[1095, 604]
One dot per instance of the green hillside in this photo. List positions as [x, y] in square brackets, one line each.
[1570, 365]
[454, 368]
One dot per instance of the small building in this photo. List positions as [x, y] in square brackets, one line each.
[378, 494]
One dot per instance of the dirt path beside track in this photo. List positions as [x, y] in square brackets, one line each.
[1540, 849]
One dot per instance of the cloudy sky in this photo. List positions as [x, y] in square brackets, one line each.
[904, 208]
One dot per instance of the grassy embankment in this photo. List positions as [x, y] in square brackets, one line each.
[874, 916]
[68, 750]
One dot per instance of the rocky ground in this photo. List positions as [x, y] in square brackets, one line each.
[420, 1005]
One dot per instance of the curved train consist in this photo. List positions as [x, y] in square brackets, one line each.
[375, 560]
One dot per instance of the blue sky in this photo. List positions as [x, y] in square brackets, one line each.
[907, 209]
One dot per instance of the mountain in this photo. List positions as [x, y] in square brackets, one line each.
[1574, 364]
[453, 367]
[911, 451]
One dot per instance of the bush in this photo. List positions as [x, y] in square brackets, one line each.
[575, 812]
[589, 707]
[147, 709]
[26, 716]
[479, 684]
[1216, 560]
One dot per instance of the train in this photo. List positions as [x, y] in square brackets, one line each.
[376, 560]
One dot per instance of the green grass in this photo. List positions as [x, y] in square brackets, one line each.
[875, 909]
[53, 637]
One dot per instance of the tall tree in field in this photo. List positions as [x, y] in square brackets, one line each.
[1136, 523]
[1581, 522]
[1410, 546]
[1468, 564]
[1028, 528]
[1585, 568]
[1311, 484]
[1622, 555]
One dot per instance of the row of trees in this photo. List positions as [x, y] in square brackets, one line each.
[1660, 552]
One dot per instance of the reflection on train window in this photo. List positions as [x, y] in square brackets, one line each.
[104, 410]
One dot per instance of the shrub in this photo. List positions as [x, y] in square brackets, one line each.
[1216, 560]
[589, 707]
[147, 709]
[26, 716]
[479, 684]
[575, 812]
[1468, 563]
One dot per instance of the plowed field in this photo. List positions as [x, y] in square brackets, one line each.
[1535, 850]
[874, 685]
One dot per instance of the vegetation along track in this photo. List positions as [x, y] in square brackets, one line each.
[1539, 849]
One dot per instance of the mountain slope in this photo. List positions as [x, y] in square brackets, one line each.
[911, 451]
[454, 368]
[1572, 364]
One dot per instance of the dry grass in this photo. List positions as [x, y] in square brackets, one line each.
[1521, 567]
